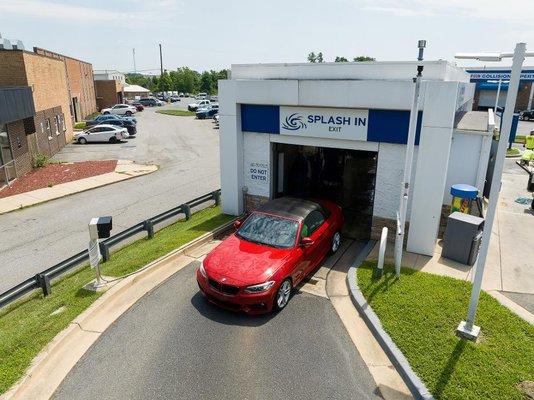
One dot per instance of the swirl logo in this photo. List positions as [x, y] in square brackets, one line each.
[293, 123]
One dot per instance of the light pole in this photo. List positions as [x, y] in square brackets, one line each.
[467, 329]
[408, 161]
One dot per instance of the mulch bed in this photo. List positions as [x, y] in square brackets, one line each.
[54, 174]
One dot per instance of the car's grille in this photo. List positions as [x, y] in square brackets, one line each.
[221, 287]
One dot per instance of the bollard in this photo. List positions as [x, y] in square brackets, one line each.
[187, 211]
[379, 271]
[149, 228]
[217, 197]
[104, 251]
[44, 283]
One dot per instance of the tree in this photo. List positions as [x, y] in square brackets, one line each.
[341, 59]
[312, 57]
[320, 57]
[165, 83]
[364, 58]
[206, 82]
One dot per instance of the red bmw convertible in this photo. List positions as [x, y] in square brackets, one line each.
[256, 268]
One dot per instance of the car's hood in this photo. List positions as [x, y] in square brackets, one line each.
[244, 262]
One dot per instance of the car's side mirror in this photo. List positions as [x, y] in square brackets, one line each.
[306, 242]
[237, 224]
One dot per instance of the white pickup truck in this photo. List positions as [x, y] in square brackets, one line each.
[198, 104]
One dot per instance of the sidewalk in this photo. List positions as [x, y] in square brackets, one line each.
[125, 169]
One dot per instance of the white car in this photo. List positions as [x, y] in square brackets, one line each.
[120, 109]
[199, 104]
[102, 133]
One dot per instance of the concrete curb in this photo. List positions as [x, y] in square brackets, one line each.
[415, 385]
[54, 362]
[40, 196]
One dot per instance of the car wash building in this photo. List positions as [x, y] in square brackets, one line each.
[339, 131]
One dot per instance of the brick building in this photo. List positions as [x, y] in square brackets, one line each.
[80, 81]
[109, 87]
[51, 126]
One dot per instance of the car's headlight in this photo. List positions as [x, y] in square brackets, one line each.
[203, 270]
[262, 287]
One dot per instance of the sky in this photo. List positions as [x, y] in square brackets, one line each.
[213, 34]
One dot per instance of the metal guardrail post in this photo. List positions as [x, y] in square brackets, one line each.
[44, 283]
[187, 211]
[217, 197]
[149, 227]
[104, 250]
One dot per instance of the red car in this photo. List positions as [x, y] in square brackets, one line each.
[138, 106]
[256, 268]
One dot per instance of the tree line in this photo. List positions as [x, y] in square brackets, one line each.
[182, 79]
[318, 58]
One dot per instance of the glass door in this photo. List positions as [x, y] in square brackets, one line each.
[7, 166]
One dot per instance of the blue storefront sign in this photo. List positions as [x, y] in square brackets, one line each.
[388, 126]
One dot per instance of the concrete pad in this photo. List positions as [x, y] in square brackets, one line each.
[201, 251]
[315, 286]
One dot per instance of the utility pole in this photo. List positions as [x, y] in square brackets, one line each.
[408, 161]
[160, 60]
[135, 69]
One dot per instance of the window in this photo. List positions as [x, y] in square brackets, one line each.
[269, 230]
[58, 123]
[312, 222]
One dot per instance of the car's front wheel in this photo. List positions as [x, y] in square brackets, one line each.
[82, 140]
[336, 242]
[283, 295]
[113, 139]
[106, 113]
[129, 113]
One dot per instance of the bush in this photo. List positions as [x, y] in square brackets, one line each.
[40, 160]
[80, 125]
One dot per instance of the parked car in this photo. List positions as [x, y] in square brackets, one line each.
[187, 95]
[174, 98]
[201, 96]
[207, 112]
[131, 128]
[150, 102]
[213, 98]
[105, 118]
[120, 109]
[102, 133]
[198, 104]
[138, 106]
[181, 94]
[273, 250]
[526, 115]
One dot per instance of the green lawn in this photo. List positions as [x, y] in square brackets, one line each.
[421, 312]
[26, 327]
[177, 113]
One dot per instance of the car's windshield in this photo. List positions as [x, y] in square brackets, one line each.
[269, 230]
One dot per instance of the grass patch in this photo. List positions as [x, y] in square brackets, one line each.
[177, 113]
[28, 326]
[519, 139]
[421, 312]
[513, 152]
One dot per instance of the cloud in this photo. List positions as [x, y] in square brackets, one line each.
[514, 10]
[85, 14]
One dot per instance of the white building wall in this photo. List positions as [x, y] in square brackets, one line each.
[389, 174]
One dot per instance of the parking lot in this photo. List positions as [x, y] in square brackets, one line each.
[187, 153]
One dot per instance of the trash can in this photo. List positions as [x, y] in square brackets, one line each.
[463, 235]
[462, 197]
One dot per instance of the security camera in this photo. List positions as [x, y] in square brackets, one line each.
[100, 227]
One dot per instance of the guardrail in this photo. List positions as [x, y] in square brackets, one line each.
[42, 279]
[6, 173]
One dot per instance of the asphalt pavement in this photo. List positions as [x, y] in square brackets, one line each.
[172, 344]
[187, 152]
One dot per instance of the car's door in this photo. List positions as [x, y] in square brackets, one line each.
[315, 228]
[92, 134]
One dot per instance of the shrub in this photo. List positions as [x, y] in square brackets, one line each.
[40, 160]
[80, 125]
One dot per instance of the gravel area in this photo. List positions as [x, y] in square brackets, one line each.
[54, 174]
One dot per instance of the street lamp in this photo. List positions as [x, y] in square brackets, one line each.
[467, 329]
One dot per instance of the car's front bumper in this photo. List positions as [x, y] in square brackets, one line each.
[257, 303]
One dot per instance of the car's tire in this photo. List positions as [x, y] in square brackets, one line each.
[526, 118]
[128, 113]
[283, 294]
[113, 139]
[335, 243]
[106, 113]
[82, 140]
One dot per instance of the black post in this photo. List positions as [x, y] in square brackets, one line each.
[44, 283]
[187, 211]
[149, 227]
[217, 197]
[160, 60]
[104, 250]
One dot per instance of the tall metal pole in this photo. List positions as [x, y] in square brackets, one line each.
[498, 94]
[408, 161]
[467, 328]
[160, 60]
[135, 68]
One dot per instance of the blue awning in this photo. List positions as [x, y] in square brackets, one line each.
[491, 86]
